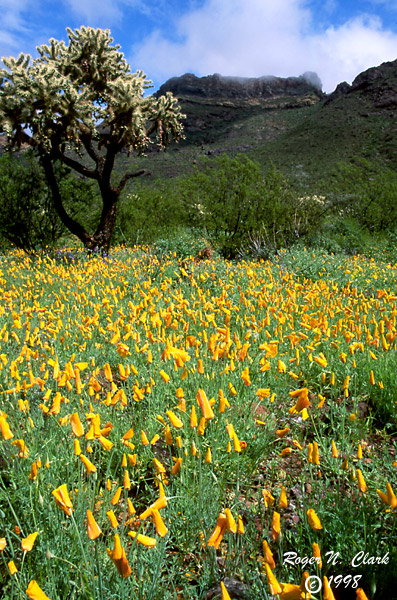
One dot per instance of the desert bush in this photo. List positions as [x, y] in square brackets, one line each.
[366, 192]
[147, 213]
[29, 220]
[240, 207]
[344, 234]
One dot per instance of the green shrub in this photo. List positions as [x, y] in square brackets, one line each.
[29, 220]
[244, 210]
[342, 234]
[367, 193]
[146, 213]
[182, 243]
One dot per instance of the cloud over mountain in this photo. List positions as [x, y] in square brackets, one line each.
[263, 37]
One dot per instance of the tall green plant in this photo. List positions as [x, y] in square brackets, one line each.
[148, 212]
[55, 103]
[366, 192]
[28, 218]
[237, 204]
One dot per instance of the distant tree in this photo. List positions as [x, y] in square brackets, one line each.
[55, 104]
[28, 218]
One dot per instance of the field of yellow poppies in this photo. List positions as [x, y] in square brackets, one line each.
[177, 430]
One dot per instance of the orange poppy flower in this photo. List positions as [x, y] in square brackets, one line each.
[28, 542]
[76, 425]
[62, 499]
[276, 526]
[217, 535]
[317, 554]
[268, 498]
[316, 455]
[90, 467]
[230, 522]
[275, 587]
[33, 471]
[119, 557]
[328, 593]
[34, 591]
[177, 467]
[282, 432]
[283, 502]
[12, 568]
[159, 524]
[388, 498]
[116, 496]
[5, 429]
[335, 452]
[127, 481]
[193, 417]
[224, 592]
[268, 554]
[146, 541]
[205, 405]
[165, 377]
[362, 486]
[175, 421]
[93, 529]
[313, 519]
[201, 427]
[157, 505]
[291, 591]
[113, 520]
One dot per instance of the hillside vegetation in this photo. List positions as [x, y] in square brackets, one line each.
[303, 132]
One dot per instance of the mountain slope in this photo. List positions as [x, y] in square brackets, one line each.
[293, 124]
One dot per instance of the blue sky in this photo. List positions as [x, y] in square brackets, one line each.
[335, 38]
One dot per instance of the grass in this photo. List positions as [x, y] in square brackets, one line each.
[105, 363]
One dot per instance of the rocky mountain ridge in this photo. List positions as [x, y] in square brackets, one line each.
[218, 86]
[214, 102]
[377, 84]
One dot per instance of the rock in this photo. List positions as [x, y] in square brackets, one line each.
[377, 84]
[236, 589]
[340, 90]
[218, 86]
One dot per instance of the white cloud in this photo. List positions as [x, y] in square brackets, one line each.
[263, 37]
[341, 53]
[232, 37]
[11, 14]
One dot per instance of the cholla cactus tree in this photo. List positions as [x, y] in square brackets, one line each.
[56, 102]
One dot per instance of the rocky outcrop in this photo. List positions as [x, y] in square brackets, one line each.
[375, 76]
[218, 86]
[340, 90]
[378, 84]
